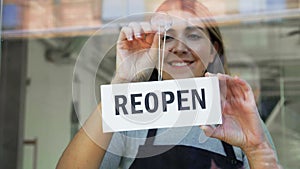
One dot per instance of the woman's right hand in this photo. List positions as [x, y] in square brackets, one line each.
[137, 50]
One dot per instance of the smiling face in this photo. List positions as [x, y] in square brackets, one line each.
[188, 49]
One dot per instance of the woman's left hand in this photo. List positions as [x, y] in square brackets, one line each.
[242, 125]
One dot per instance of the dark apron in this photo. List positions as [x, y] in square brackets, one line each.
[182, 157]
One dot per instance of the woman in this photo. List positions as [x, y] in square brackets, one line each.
[191, 47]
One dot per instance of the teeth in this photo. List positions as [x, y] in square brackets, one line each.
[179, 64]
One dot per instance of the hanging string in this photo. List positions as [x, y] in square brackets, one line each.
[163, 54]
[159, 57]
[163, 22]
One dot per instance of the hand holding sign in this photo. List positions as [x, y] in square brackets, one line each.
[241, 121]
[136, 52]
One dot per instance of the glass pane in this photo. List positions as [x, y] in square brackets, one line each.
[262, 43]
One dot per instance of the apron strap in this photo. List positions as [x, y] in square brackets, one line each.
[150, 136]
[229, 152]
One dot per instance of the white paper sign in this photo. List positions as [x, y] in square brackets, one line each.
[161, 104]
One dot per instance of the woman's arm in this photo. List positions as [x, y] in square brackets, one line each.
[140, 42]
[137, 45]
[262, 156]
[87, 148]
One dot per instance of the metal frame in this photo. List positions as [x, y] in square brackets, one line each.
[12, 102]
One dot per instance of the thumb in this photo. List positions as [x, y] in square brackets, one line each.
[211, 131]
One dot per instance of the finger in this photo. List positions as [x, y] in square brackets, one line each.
[137, 29]
[229, 93]
[236, 89]
[126, 34]
[249, 95]
[227, 80]
[208, 74]
[149, 33]
[245, 86]
[235, 86]
[149, 38]
[222, 82]
[146, 27]
[232, 88]
[222, 85]
[223, 89]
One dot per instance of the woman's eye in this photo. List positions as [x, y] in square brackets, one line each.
[168, 38]
[194, 37]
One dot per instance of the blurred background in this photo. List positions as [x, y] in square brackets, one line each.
[41, 40]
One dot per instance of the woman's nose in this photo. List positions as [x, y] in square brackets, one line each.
[179, 48]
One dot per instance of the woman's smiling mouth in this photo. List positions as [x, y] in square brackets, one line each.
[181, 63]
